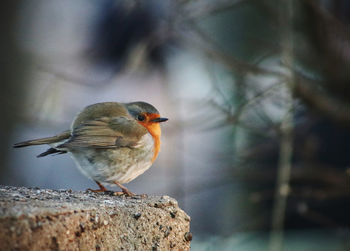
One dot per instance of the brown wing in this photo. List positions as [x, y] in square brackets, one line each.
[106, 132]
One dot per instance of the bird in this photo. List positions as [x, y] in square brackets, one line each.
[111, 143]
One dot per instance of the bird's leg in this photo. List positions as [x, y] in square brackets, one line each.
[102, 188]
[124, 189]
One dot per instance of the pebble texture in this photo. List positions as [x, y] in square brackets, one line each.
[43, 219]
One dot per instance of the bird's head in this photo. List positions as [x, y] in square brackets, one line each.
[146, 115]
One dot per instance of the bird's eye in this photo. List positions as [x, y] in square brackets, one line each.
[141, 117]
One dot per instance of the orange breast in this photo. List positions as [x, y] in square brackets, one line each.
[154, 130]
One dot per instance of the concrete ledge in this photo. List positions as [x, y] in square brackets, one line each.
[42, 219]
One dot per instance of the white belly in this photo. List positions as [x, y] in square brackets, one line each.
[121, 164]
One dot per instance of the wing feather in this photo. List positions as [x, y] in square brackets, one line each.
[106, 132]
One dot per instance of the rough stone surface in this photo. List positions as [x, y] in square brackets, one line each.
[43, 219]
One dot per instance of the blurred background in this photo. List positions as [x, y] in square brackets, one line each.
[256, 149]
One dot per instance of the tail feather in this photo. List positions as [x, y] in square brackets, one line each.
[51, 151]
[42, 141]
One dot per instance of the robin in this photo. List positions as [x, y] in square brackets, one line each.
[111, 143]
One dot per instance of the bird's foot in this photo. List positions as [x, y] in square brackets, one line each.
[118, 193]
[124, 192]
[95, 190]
[101, 190]
[130, 194]
[127, 192]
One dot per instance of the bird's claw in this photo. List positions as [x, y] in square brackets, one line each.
[127, 193]
[95, 190]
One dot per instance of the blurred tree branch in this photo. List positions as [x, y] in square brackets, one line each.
[310, 92]
[203, 9]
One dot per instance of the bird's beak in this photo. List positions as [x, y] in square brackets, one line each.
[158, 120]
